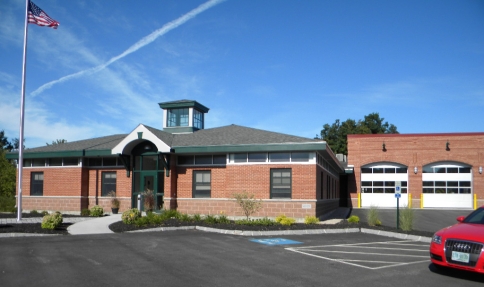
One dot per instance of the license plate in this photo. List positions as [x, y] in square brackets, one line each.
[461, 257]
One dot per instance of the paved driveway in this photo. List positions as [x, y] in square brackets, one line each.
[197, 258]
[425, 219]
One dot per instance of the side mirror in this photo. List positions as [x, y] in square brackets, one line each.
[460, 218]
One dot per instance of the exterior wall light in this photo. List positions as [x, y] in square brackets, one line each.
[480, 170]
[415, 170]
[383, 147]
[447, 148]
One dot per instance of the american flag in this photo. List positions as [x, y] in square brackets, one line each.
[39, 17]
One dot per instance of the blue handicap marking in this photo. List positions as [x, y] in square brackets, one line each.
[398, 195]
[275, 241]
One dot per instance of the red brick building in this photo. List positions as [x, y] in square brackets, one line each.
[190, 168]
[433, 170]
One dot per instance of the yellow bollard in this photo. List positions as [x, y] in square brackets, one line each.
[409, 200]
[421, 201]
[359, 200]
[475, 201]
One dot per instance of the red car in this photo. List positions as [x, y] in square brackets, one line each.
[461, 246]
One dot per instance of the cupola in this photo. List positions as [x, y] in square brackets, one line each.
[184, 116]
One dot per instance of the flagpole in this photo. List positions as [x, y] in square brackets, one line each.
[22, 109]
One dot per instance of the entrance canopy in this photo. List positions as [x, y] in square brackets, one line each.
[140, 134]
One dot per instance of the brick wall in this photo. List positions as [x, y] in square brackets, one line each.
[416, 150]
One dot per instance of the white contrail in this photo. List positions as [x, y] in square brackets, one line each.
[141, 43]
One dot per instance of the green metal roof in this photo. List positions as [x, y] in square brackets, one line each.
[184, 104]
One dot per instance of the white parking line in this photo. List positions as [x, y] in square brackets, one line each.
[400, 256]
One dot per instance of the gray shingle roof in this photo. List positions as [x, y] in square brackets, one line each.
[101, 143]
[235, 135]
[221, 136]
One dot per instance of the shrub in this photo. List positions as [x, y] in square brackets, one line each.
[248, 203]
[311, 219]
[353, 219]
[197, 217]
[288, 221]
[34, 212]
[407, 216]
[85, 212]
[284, 220]
[96, 211]
[51, 221]
[372, 216]
[210, 219]
[130, 216]
[45, 212]
[256, 222]
[171, 213]
[223, 219]
[185, 217]
[7, 203]
[280, 217]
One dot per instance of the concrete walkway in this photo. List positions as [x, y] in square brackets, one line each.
[98, 225]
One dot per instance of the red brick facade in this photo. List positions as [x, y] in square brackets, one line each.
[71, 189]
[416, 150]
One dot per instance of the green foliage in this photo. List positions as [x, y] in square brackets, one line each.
[171, 213]
[7, 177]
[311, 219]
[223, 219]
[185, 217]
[247, 203]
[7, 145]
[34, 212]
[130, 216]
[85, 212]
[97, 211]
[210, 219]
[284, 220]
[57, 141]
[373, 216]
[353, 219]
[51, 221]
[150, 218]
[407, 217]
[336, 134]
[197, 217]
[256, 222]
[44, 212]
[7, 204]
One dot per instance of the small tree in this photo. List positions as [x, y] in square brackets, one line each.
[248, 203]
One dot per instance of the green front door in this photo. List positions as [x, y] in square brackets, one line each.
[148, 174]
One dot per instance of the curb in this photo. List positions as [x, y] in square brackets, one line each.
[291, 232]
[15, 234]
[397, 235]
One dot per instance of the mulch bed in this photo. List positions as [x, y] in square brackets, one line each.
[121, 227]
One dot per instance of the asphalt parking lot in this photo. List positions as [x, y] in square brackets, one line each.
[197, 258]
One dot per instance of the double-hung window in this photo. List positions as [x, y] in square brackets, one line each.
[108, 183]
[37, 183]
[281, 183]
[201, 184]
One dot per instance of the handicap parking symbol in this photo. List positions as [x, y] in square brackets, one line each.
[275, 241]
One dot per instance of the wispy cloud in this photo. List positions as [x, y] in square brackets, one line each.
[138, 45]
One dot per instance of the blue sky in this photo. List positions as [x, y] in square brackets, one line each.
[281, 65]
